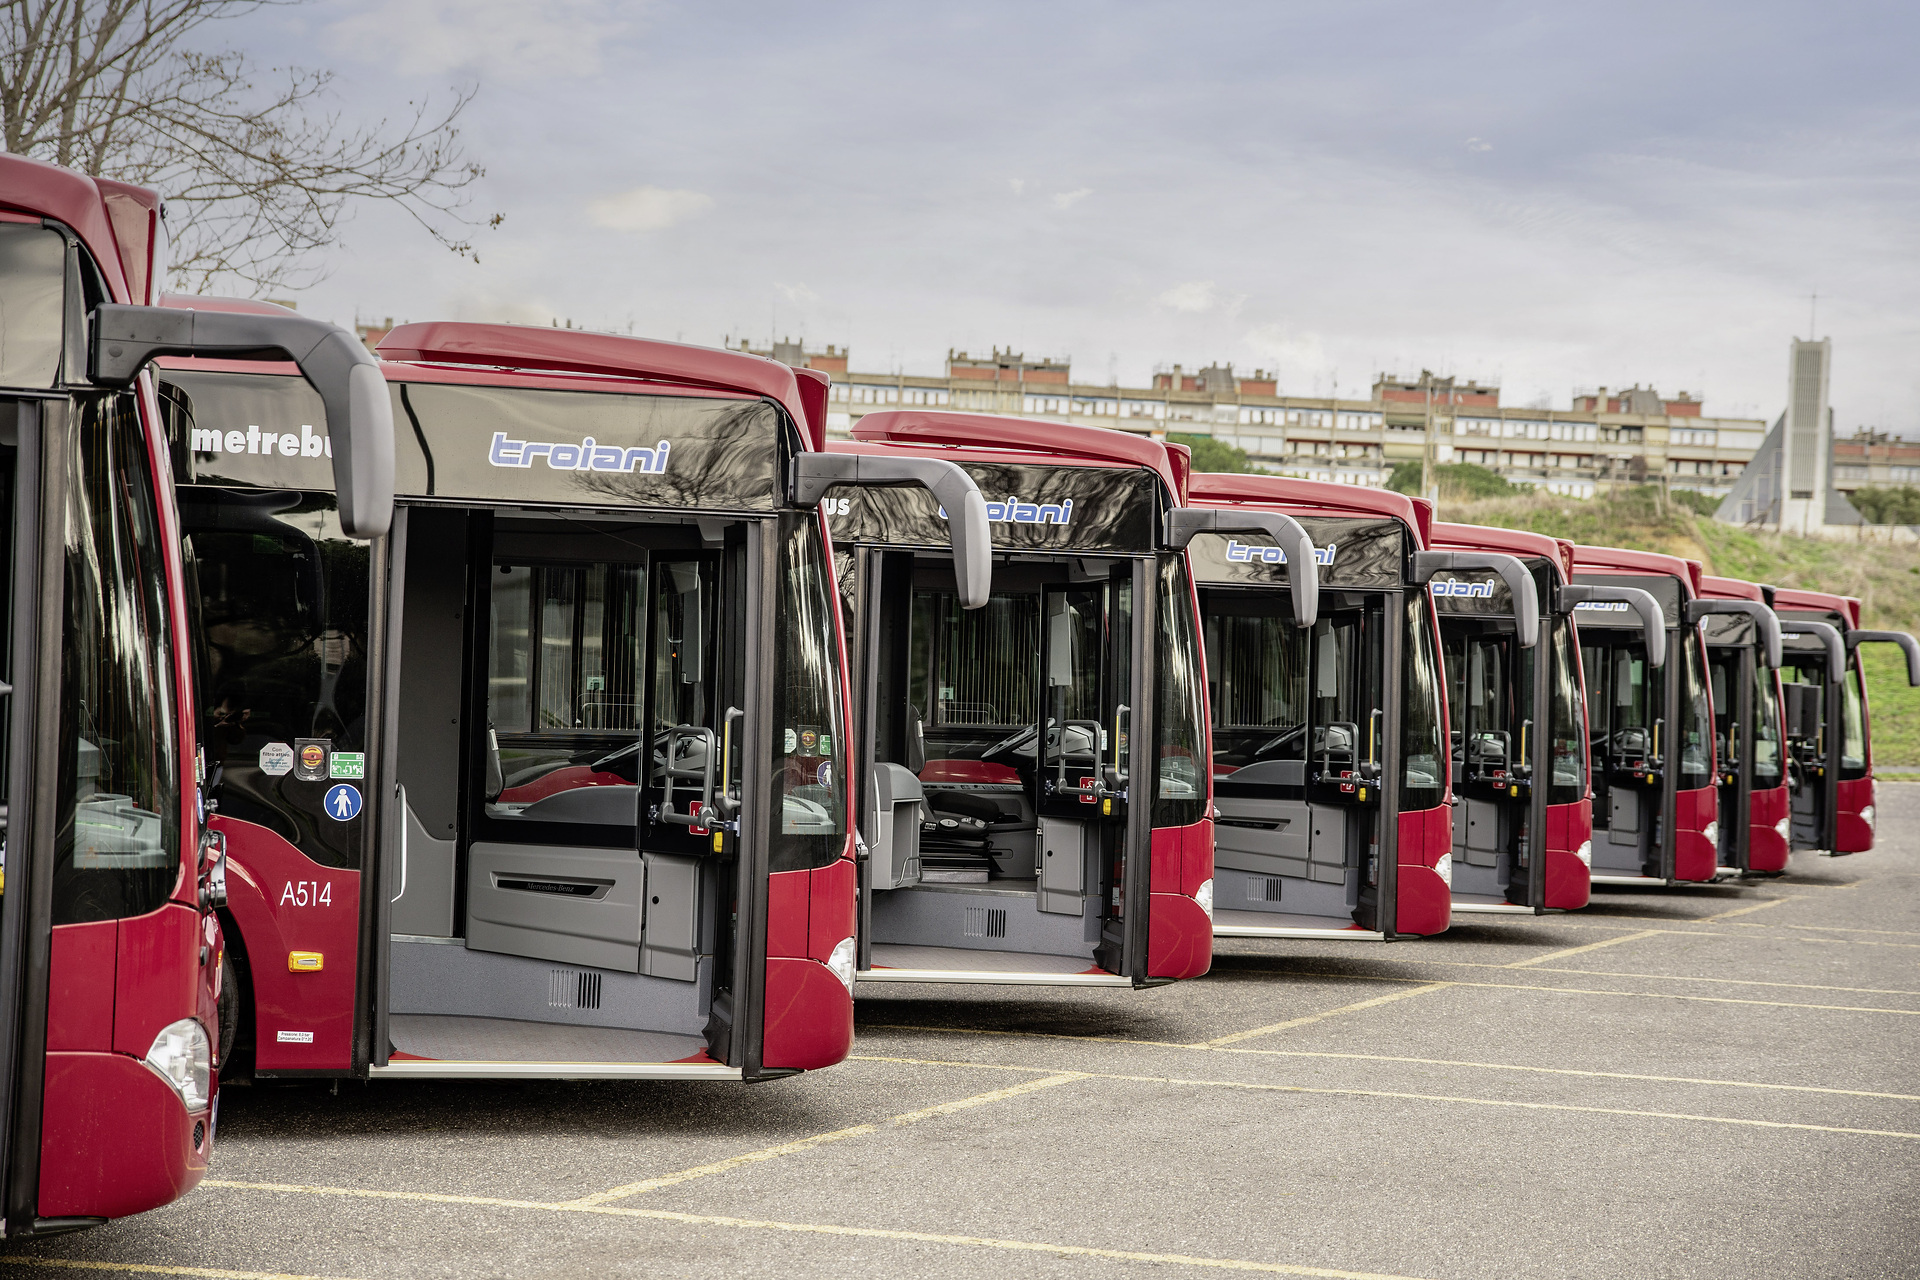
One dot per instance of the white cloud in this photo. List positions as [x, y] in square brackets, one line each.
[1068, 199]
[1300, 357]
[646, 209]
[507, 39]
[1196, 297]
[1019, 185]
[1479, 144]
[796, 292]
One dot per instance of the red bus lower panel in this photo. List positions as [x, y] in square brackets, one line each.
[1696, 855]
[80, 986]
[283, 901]
[1767, 841]
[1854, 831]
[831, 905]
[1425, 903]
[809, 1015]
[115, 1140]
[1179, 938]
[1182, 858]
[1569, 880]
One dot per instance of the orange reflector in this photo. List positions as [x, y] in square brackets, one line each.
[305, 962]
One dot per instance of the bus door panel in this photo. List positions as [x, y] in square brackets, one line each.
[1625, 709]
[280, 608]
[1081, 728]
[32, 439]
[1728, 668]
[1853, 788]
[1804, 691]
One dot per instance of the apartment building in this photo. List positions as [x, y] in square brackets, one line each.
[1610, 437]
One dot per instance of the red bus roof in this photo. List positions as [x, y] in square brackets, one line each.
[1731, 589]
[939, 427]
[1621, 560]
[1315, 496]
[575, 351]
[113, 219]
[1514, 542]
[1847, 607]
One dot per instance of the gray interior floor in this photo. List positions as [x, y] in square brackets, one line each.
[890, 955]
[454, 1039]
[1279, 920]
[1482, 899]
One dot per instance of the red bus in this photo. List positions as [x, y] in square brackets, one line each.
[1650, 724]
[549, 781]
[1743, 660]
[110, 949]
[1516, 770]
[994, 746]
[1329, 763]
[1829, 731]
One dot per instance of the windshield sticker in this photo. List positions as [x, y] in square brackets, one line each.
[343, 802]
[588, 455]
[347, 764]
[276, 759]
[310, 759]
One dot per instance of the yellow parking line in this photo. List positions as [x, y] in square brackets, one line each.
[149, 1268]
[1834, 928]
[819, 1140]
[1238, 1036]
[1574, 951]
[1741, 911]
[1659, 977]
[824, 1228]
[1591, 991]
[1424, 1062]
[1325, 1091]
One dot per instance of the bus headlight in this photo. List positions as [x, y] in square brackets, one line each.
[1585, 854]
[841, 961]
[1204, 896]
[1866, 816]
[1445, 868]
[1783, 827]
[183, 1058]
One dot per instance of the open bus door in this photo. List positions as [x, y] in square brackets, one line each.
[1744, 655]
[1516, 771]
[1328, 764]
[1650, 724]
[1828, 726]
[549, 781]
[1031, 771]
[109, 948]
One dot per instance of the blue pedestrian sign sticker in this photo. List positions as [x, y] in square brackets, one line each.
[343, 803]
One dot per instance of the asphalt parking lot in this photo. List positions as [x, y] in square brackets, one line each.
[1711, 1082]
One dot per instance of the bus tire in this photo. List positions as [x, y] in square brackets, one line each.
[236, 1000]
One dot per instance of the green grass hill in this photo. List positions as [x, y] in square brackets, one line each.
[1885, 577]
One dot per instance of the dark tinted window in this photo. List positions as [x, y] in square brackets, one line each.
[1424, 780]
[808, 807]
[1696, 720]
[281, 595]
[1179, 796]
[117, 849]
[1568, 780]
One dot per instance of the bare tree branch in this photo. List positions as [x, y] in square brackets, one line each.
[256, 173]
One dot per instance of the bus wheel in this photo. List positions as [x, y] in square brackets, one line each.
[234, 998]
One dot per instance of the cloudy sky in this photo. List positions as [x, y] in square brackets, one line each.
[1550, 196]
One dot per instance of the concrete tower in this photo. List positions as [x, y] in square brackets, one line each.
[1805, 443]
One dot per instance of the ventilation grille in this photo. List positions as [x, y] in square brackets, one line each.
[985, 922]
[1263, 888]
[572, 989]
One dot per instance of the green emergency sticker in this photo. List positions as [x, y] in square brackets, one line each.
[348, 764]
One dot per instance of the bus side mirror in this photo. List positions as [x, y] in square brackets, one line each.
[359, 410]
[1830, 637]
[961, 505]
[1763, 617]
[1907, 643]
[1520, 584]
[1653, 619]
[1303, 567]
